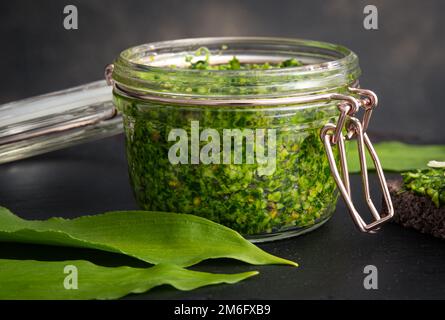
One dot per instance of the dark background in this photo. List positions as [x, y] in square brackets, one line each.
[402, 62]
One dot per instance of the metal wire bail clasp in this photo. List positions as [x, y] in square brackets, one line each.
[108, 74]
[332, 134]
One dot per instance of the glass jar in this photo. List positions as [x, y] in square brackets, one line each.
[239, 147]
[289, 193]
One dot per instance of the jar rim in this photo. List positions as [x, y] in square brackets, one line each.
[139, 66]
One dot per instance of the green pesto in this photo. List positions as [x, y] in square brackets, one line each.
[234, 63]
[429, 182]
[299, 193]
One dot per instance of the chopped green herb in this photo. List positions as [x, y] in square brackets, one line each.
[427, 182]
[235, 64]
[290, 63]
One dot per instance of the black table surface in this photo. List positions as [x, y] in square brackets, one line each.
[92, 178]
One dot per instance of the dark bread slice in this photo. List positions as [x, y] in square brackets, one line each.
[417, 212]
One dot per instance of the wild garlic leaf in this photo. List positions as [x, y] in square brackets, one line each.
[153, 237]
[29, 279]
[396, 156]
